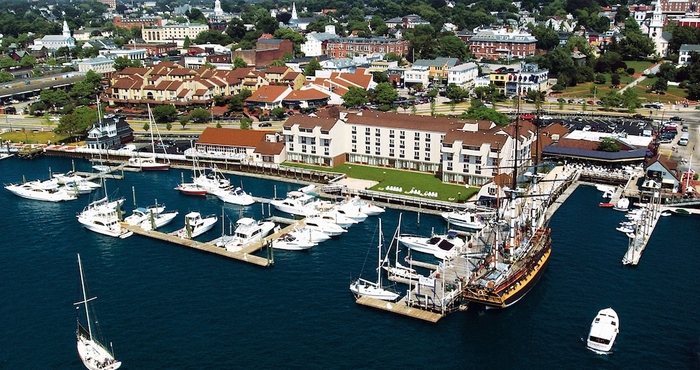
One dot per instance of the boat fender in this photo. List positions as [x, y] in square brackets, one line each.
[481, 292]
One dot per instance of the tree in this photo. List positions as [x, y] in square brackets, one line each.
[312, 67]
[186, 44]
[486, 114]
[608, 144]
[630, 100]
[184, 120]
[380, 76]
[164, 113]
[236, 29]
[600, 78]
[236, 102]
[355, 97]
[7, 62]
[6, 76]
[78, 122]
[200, 115]
[547, 37]
[278, 112]
[123, 62]
[660, 86]
[212, 37]
[246, 123]
[239, 62]
[28, 61]
[384, 93]
[455, 93]
[453, 47]
[53, 98]
[615, 79]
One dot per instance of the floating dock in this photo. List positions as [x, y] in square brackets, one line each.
[638, 241]
[401, 307]
[246, 254]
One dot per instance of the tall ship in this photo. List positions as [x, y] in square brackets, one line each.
[515, 245]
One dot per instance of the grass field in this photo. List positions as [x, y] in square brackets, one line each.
[405, 179]
[32, 137]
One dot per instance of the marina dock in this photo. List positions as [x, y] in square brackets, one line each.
[245, 255]
[638, 241]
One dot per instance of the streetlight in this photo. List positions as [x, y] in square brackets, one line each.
[459, 196]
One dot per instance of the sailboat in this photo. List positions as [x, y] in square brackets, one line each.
[150, 163]
[516, 256]
[95, 355]
[366, 288]
[398, 270]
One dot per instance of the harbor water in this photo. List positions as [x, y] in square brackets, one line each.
[168, 307]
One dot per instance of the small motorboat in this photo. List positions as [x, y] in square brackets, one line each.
[604, 330]
[190, 188]
[605, 205]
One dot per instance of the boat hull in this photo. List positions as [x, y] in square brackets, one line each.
[510, 292]
[94, 357]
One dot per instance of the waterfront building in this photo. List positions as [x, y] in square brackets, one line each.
[663, 172]
[243, 145]
[517, 82]
[460, 151]
[109, 133]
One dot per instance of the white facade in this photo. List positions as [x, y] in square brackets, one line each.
[417, 75]
[131, 54]
[656, 27]
[313, 46]
[463, 75]
[173, 33]
[99, 64]
[53, 42]
[684, 53]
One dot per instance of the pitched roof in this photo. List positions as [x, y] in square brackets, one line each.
[268, 93]
[269, 148]
[308, 94]
[231, 137]
[324, 121]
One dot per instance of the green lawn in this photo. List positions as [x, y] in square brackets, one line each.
[32, 137]
[405, 179]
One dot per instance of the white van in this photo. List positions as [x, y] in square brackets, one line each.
[684, 139]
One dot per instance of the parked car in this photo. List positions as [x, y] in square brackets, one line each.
[265, 124]
[676, 119]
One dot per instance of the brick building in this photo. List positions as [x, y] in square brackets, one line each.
[348, 47]
[501, 44]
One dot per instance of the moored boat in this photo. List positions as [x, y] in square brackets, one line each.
[441, 246]
[196, 225]
[247, 231]
[190, 188]
[236, 196]
[464, 219]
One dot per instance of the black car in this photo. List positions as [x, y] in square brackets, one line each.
[638, 116]
[265, 124]
[676, 119]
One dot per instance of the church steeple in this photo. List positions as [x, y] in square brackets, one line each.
[217, 8]
[66, 30]
[294, 11]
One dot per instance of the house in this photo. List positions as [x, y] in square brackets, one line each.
[665, 172]
[685, 53]
[514, 82]
[109, 133]
[267, 97]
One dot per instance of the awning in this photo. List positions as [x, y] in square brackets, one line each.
[668, 181]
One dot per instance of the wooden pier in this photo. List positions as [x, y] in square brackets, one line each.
[401, 308]
[638, 242]
[246, 254]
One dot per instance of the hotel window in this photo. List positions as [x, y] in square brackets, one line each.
[427, 137]
[427, 156]
[367, 132]
[367, 150]
[402, 134]
[402, 144]
[416, 147]
[377, 150]
[402, 153]
[367, 140]
[416, 136]
[303, 148]
[465, 168]
[377, 141]
[391, 152]
[326, 151]
[391, 133]
[377, 132]
[391, 143]
[313, 149]
[416, 156]
[354, 148]
[427, 147]
[478, 170]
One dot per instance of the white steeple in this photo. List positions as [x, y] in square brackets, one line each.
[294, 11]
[217, 8]
[66, 30]
[656, 27]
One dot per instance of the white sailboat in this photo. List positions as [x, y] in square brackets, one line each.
[95, 355]
[398, 270]
[150, 163]
[366, 288]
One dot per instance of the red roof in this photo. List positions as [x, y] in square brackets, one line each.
[231, 137]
